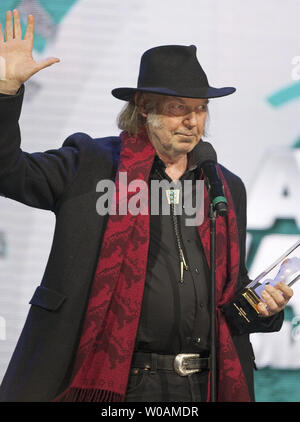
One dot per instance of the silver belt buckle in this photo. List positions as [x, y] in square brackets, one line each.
[181, 362]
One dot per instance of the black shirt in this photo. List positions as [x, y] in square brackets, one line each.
[174, 315]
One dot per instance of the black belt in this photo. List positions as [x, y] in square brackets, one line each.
[183, 363]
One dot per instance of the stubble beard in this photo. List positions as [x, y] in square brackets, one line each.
[153, 123]
[153, 120]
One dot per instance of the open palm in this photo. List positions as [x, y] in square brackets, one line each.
[16, 62]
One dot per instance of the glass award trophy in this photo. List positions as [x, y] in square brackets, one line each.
[285, 269]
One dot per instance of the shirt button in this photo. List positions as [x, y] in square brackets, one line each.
[196, 270]
[198, 340]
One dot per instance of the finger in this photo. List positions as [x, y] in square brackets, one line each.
[263, 309]
[46, 63]
[1, 34]
[8, 31]
[277, 295]
[270, 302]
[285, 289]
[17, 24]
[29, 34]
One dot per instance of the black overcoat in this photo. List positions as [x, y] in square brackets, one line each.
[64, 181]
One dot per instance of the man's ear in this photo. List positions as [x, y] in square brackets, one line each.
[139, 101]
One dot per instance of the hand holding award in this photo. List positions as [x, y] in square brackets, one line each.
[269, 293]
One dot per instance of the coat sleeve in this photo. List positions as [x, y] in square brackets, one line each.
[36, 179]
[260, 324]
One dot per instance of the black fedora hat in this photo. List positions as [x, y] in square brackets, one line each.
[172, 70]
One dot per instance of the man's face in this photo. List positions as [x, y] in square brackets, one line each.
[177, 125]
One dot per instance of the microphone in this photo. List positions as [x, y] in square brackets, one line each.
[207, 161]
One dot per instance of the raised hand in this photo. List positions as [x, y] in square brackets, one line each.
[16, 62]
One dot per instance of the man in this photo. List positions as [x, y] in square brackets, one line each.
[122, 312]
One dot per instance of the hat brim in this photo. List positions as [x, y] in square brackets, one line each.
[127, 94]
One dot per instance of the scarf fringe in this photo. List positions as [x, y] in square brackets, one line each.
[88, 395]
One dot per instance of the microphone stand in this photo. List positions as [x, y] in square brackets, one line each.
[214, 211]
[213, 357]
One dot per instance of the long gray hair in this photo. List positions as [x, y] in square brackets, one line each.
[130, 118]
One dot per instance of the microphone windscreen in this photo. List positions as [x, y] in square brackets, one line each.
[205, 152]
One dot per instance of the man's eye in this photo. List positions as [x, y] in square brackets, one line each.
[176, 108]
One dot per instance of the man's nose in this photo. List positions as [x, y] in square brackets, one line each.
[191, 119]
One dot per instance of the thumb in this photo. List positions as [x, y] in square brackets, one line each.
[45, 63]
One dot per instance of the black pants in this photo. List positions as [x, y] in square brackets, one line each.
[146, 385]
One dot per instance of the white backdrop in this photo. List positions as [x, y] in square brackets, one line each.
[249, 45]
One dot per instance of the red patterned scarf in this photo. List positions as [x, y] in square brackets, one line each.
[107, 341]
